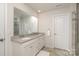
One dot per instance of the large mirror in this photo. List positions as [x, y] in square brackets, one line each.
[24, 23]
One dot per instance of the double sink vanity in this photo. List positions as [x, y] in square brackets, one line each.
[27, 45]
[26, 40]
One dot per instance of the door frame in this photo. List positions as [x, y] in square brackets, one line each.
[70, 28]
[3, 38]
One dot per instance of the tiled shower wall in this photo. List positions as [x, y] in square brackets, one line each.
[77, 31]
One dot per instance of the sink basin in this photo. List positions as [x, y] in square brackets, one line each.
[29, 35]
[26, 38]
[35, 33]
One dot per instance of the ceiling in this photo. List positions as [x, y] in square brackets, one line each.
[43, 7]
[19, 13]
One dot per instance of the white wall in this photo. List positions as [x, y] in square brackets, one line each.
[45, 24]
[9, 22]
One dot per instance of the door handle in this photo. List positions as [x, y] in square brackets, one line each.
[1, 40]
[54, 33]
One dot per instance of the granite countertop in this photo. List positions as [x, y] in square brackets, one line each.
[26, 38]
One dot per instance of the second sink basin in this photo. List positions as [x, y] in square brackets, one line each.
[26, 38]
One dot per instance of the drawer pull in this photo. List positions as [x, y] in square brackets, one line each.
[30, 46]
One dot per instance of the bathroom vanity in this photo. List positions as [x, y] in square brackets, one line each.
[27, 45]
[26, 41]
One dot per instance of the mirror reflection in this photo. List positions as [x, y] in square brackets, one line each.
[24, 23]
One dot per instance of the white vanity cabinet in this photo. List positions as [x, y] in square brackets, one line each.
[30, 48]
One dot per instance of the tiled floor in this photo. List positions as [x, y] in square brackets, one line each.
[43, 53]
[53, 52]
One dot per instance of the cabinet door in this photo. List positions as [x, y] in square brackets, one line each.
[41, 42]
[29, 51]
[35, 47]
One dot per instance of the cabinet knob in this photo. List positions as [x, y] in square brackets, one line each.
[30, 46]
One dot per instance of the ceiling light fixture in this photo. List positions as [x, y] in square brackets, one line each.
[59, 5]
[39, 11]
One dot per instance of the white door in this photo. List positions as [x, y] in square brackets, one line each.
[1, 29]
[61, 31]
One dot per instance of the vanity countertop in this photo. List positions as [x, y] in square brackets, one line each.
[26, 38]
